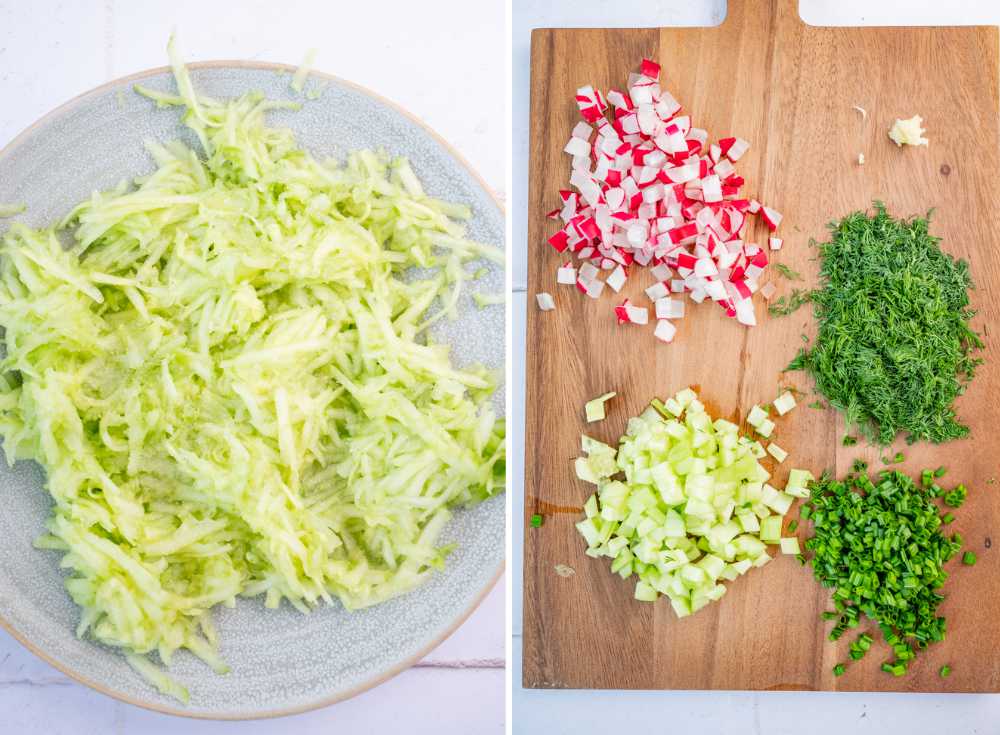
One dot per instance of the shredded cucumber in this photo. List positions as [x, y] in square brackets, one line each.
[228, 382]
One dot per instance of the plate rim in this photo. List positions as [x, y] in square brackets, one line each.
[403, 665]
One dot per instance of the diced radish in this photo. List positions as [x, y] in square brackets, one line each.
[566, 274]
[684, 234]
[767, 291]
[577, 147]
[559, 241]
[620, 312]
[776, 243]
[724, 168]
[667, 308]
[582, 130]
[716, 290]
[617, 279]
[771, 216]
[651, 190]
[667, 106]
[705, 267]
[711, 188]
[660, 272]
[657, 291]
[734, 148]
[681, 174]
[545, 301]
[664, 331]
[636, 235]
[592, 288]
[744, 313]
[637, 314]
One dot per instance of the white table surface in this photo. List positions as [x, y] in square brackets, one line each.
[768, 713]
[51, 51]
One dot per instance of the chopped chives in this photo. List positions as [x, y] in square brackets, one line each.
[536, 521]
[956, 497]
[968, 558]
[945, 671]
[877, 543]
[838, 670]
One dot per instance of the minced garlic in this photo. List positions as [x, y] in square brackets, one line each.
[908, 132]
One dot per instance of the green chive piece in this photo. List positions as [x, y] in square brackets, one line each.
[969, 558]
[945, 671]
[947, 518]
[940, 471]
[536, 521]
[956, 497]
[899, 458]
[849, 441]
[839, 670]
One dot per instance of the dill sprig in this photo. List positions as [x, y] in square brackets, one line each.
[787, 272]
[894, 347]
[783, 306]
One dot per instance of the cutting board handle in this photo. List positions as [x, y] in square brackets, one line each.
[739, 11]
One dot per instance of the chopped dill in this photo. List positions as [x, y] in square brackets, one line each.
[894, 347]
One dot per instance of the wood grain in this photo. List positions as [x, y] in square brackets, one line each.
[788, 88]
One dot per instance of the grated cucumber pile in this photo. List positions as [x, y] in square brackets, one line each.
[228, 382]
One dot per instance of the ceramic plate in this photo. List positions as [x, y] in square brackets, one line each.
[282, 661]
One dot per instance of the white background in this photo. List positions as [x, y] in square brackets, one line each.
[451, 74]
[733, 713]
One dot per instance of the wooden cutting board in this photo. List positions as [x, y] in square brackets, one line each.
[789, 89]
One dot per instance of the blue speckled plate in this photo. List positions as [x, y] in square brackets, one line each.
[282, 661]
